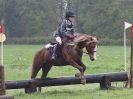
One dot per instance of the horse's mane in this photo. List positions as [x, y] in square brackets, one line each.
[80, 37]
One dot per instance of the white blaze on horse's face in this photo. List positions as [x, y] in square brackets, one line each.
[92, 48]
[94, 54]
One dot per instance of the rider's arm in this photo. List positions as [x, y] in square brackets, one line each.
[73, 31]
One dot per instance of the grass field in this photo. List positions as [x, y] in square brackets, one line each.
[18, 60]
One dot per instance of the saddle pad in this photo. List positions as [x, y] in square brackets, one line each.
[49, 45]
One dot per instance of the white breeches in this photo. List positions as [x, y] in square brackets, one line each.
[58, 39]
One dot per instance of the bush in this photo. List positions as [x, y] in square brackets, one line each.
[47, 39]
[29, 40]
[108, 41]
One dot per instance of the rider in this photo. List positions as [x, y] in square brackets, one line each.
[65, 30]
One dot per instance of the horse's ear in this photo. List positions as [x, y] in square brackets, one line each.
[94, 39]
[98, 39]
[91, 38]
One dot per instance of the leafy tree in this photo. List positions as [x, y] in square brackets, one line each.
[37, 18]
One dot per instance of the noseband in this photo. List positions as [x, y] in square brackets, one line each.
[90, 51]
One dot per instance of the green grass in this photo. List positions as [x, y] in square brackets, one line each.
[18, 60]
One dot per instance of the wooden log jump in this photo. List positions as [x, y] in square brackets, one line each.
[104, 79]
[2, 85]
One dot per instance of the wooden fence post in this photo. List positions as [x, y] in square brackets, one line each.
[105, 82]
[2, 85]
[131, 68]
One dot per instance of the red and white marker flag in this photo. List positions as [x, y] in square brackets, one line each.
[1, 28]
[127, 25]
[131, 31]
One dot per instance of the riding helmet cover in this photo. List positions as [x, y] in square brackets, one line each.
[69, 14]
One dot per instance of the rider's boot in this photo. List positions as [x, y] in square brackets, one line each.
[54, 55]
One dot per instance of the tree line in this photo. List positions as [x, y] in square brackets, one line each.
[35, 20]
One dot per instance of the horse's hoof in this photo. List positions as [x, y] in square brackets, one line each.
[78, 75]
[83, 81]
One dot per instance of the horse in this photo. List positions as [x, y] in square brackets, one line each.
[70, 54]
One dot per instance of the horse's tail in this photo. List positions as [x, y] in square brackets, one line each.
[38, 62]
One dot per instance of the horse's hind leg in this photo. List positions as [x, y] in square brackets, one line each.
[45, 70]
[35, 70]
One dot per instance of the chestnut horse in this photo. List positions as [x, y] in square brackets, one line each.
[71, 54]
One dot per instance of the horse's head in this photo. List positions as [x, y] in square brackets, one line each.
[91, 47]
[89, 42]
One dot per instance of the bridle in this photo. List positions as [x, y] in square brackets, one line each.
[90, 51]
[88, 43]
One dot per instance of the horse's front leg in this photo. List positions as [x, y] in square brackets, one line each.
[81, 69]
[83, 79]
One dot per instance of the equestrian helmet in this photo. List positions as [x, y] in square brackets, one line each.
[69, 14]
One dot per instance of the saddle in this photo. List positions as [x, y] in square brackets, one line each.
[51, 46]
